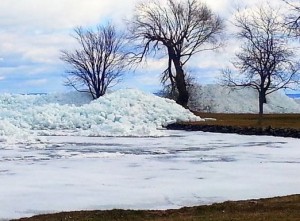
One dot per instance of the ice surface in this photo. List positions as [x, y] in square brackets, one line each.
[181, 169]
[214, 98]
[127, 112]
[135, 164]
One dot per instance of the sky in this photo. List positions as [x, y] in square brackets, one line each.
[33, 32]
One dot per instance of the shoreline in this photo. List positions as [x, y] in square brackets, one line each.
[269, 209]
[268, 131]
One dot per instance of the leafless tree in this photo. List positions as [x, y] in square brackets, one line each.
[181, 28]
[168, 91]
[266, 59]
[99, 61]
[293, 18]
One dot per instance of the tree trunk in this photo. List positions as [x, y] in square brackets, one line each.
[262, 100]
[183, 95]
[265, 99]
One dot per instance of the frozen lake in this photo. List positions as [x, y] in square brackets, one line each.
[182, 169]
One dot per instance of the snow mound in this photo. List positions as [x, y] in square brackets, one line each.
[127, 112]
[70, 98]
[219, 99]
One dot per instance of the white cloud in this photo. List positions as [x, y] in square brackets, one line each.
[154, 64]
[39, 29]
[32, 33]
[59, 14]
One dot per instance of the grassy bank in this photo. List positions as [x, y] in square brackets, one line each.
[252, 120]
[274, 209]
[280, 125]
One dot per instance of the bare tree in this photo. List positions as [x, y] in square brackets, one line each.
[293, 18]
[99, 61]
[182, 28]
[168, 91]
[266, 60]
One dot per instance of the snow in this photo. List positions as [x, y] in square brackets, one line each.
[220, 99]
[127, 112]
[181, 169]
[62, 152]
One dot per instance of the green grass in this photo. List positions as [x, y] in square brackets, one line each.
[274, 209]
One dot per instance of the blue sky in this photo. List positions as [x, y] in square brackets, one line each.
[32, 33]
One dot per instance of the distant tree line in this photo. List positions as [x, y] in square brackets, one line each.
[179, 29]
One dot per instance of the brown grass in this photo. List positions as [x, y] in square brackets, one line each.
[252, 120]
[274, 209]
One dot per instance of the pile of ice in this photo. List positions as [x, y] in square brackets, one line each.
[217, 99]
[127, 112]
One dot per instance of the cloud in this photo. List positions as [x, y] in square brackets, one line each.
[38, 15]
[32, 33]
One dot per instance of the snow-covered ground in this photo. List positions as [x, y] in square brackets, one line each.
[181, 169]
[65, 152]
[214, 98]
[127, 112]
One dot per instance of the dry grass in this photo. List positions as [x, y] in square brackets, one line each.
[275, 209]
[252, 120]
